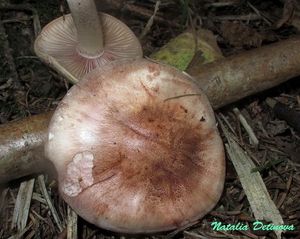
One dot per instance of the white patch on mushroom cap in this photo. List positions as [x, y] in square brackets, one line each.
[79, 174]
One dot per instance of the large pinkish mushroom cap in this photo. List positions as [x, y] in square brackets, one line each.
[132, 153]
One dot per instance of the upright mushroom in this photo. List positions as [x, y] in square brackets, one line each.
[139, 154]
[77, 43]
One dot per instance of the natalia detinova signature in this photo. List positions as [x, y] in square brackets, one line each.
[257, 225]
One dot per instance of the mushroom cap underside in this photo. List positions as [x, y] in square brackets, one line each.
[58, 40]
[137, 149]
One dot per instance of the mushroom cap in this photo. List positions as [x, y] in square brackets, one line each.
[133, 154]
[58, 40]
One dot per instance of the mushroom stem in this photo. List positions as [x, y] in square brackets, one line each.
[88, 26]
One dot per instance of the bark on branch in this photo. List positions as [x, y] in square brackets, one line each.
[22, 147]
[233, 78]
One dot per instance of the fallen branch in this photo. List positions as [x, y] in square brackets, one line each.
[22, 147]
[224, 81]
[236, 77]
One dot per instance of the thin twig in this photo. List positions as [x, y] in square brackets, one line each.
[247, 17]
[49, 202]
[3, 200]
[72, 224]
[227, 123]
[259, 13]
[18, 20]
[150, 21]
[175, 232]
[221, 4]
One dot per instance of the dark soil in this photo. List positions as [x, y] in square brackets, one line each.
[29, 87]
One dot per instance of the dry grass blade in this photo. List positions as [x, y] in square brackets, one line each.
[247, 127]
[72, 224]
[39, 198]
[56, 65]
[3, 200]
[259, 199]
[22, 205]
[43, 188]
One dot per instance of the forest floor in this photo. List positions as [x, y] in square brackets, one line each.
[29, 87]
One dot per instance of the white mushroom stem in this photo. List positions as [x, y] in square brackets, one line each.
[88, 25]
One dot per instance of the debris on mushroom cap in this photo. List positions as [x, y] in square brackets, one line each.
[137, 149]
[58, 40]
